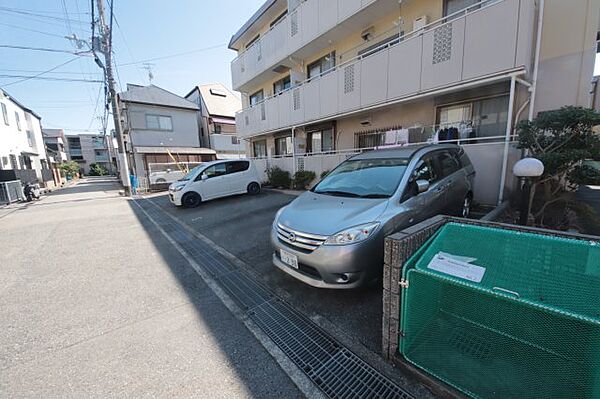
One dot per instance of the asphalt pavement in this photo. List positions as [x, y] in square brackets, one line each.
[94, 302]
[242, 225]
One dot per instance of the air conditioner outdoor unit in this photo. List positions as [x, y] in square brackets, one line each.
[420, 22]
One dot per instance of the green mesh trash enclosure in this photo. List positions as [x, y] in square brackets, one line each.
[504, 314]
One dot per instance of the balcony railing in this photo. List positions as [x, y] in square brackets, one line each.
[226, 142]
[492, 37]
[301, 26]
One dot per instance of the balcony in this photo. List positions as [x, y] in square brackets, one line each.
[470, 45]
[302, 26]
[226, 143]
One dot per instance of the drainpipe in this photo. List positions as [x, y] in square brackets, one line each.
[536, 63]
[294, 149]
[509, 125]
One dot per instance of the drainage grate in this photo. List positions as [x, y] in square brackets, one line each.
[338, 372]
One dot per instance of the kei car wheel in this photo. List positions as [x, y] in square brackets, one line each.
[253, 188]
[191, 200]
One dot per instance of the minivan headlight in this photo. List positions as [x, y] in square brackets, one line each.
[178, 188]
[353, 234]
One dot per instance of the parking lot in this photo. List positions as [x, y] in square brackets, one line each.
[241, 225]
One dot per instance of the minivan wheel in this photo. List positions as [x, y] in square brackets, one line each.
[466, 207]
[253, 188]
[191, 200]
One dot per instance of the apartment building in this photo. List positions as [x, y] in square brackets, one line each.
[216, 119]
[22, 151]
[160, 132]
[87, 149]
[324, 79]
[55, 143]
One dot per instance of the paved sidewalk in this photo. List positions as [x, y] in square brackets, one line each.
[95, 304]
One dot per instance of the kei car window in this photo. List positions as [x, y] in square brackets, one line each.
[366, 178]
[190, 174]
[237, 166]
[216, 170]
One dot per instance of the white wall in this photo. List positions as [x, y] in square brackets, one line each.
[14, 141]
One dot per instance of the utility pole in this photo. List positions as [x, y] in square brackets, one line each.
[106, 48]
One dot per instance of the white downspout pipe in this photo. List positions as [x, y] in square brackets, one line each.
[536, 63]
[294, 149]
[509, 126]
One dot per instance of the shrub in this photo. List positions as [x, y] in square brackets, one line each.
[70, 168]
[303, 178]
[279, 178]
[98, 170]
[325, 173]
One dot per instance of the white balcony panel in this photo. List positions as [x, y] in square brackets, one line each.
[284, 106]
[374, 78]
[279, 40]
[294, 30]
[347, 8]
[240, 126]
[262, 122]
[328, 94]
[405, 60]
[525, 43]
[312, 100]
[443, 54]
[297, 105]
[349, 87]
[272, 113]
[310, 21]
[365, 3]
[328, 15]
[491, 50]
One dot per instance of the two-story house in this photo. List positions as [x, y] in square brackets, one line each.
[216, 119]
[22, 150]
[159, 128]
[323, 79]
[55, 143]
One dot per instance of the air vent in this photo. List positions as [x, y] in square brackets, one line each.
[294, 23]
[349, 79]
[442, 44]
[296, 99]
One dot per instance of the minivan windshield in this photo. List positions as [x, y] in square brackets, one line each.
[364, 178]
[190, 175]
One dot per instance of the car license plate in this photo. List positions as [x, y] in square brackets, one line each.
[288, 258]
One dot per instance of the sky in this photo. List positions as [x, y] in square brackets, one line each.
[144, 29]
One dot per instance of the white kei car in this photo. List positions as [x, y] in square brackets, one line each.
[215, 180]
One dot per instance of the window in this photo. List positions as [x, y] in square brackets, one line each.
[278, 19]
[237, 166]
[18, 120]
[13, 162]
[321, 65]
[5, 114]
[257, 98]
[452, 6]
[369, 139]
[259, 148]
[377, 47]
[368, 178]
[158, 122]
[218, 129]
[448, 163]
[425, 170]
[235, 140]
[30, 138]
[219, 169]
[282, 85]
[283, 145]
[320, 141]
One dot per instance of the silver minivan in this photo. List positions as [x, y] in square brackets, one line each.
[332, 236]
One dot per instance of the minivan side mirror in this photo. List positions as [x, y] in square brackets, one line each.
[204, 177]
[422, 185]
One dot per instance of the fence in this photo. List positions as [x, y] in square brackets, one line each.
[486, 154]
[11, 191]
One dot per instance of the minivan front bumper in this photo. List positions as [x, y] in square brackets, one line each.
[334, 266]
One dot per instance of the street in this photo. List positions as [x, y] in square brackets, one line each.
[95, 303]
[104, 303]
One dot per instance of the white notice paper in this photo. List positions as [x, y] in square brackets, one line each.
[448, 264]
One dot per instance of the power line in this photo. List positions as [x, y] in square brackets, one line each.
[34, 14]
[37, 11]
[32, 30]
[49, 50]
[61, 72]
[175, 55]
[41, 73]
[2, 76]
